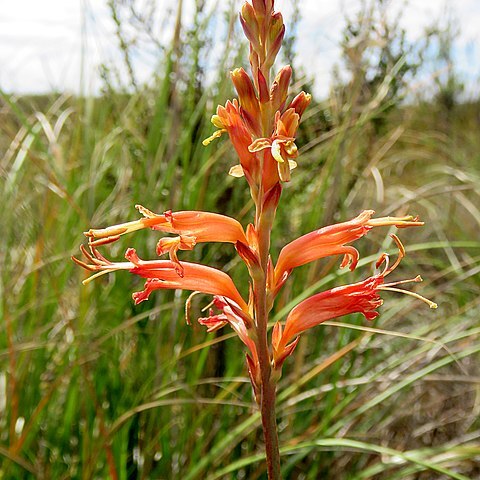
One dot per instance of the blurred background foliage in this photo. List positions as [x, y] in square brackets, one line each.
[93, 387]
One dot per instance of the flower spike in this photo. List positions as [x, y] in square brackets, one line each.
[262, 126]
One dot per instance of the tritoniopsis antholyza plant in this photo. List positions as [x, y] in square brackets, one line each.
[262, 125]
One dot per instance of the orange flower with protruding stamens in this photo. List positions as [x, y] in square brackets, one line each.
[229, 119]
[192, 227]
[332, 240]
[164, 274]
[202, 226]
[361, 297]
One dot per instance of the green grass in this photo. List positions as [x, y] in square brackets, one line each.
[109, 389]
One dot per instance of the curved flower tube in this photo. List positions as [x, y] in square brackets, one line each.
[332, 240]
[361, 297]
[202, 226]
[192, 227]
[249, 102]
[164, 274]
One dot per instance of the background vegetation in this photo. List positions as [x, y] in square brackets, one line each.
[92, 386]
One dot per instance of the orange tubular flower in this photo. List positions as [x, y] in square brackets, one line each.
[229, 119]
[358, 297]
[202, 226]
[279, 88]
[332, 240]
[164, 274]
[191, 227]
[300, 103]
[361, 297]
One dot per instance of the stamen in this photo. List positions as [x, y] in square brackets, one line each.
[401, 255]
[146, 212]
[412, 294]
[400, 246]
[384, 257]
[211, 304]
[212, 137]
[84, 265]
[89, 257]
[111, 231]
[104, 241]
[188, 306]
[413, 223]
[98, 274]
[99, 258]
[417, 279]
[399, 222]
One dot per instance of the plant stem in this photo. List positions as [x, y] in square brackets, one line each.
[268, 386]
[269, 423]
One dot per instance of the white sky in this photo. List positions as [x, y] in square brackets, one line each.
[43, 42]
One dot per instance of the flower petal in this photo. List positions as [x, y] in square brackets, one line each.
[236, 171]
[260, 144]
